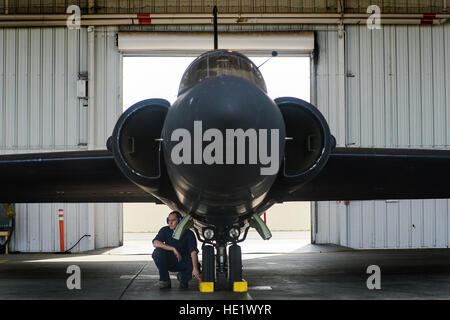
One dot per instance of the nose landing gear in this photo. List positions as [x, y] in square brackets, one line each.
[215, 268]
[218, 266]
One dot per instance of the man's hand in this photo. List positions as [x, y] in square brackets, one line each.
[177, 254]
[196, 274]
[195, 271]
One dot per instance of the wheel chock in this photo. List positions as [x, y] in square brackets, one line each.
[240, 286]
[206, 286]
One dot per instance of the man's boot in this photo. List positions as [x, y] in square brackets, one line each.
[165, 284]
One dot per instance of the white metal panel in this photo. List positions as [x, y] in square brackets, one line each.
[393, 225]
[83, 116]
[333, 85]
[391, 37]
[327, 85]
[405, 224]
[439, 56]
[416, 223]
[108, 107]
[107, 225]
[355, 226]
[429, 223]
[368, 224]
[343, 225]
[323, 222]
[327, 78]
[426, 85]
[39, 110]
[35, 90]
[47, 138]
[380, 224]
[402, 87]
[59, 64]
[100, 89]
[10, 88]
[398, 95]
[22, 86]
[151, 42]
[353, 85]
[334, 221]
[441, 223]
[47, 225]
[414, 86]
[365, 75]
[73, 108]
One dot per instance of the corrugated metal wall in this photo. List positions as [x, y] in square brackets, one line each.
[39, 111]
[397, 95]
[108, 108]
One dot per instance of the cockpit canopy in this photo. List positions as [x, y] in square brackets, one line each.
[221, 62]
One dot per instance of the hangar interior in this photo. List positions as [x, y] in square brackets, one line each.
[387, 87]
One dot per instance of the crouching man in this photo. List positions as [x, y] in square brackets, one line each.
[175, 255]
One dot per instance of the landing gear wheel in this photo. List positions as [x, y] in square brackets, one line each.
[208, 264]
[235, 264]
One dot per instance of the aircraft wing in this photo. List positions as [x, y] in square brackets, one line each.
[350, 174]
[73, 176]
[370, 174]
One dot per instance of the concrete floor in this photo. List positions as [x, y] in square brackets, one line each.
[285, 267]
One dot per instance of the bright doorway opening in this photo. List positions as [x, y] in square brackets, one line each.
[159, 77]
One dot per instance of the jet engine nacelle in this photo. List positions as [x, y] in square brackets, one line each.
[308, 142]
[136, 142]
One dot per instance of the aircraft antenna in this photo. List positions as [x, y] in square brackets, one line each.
[274, 54]
[216, 46]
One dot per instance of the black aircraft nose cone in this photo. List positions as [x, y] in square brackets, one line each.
[203, 132]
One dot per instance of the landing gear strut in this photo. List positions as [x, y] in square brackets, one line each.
[219, 265]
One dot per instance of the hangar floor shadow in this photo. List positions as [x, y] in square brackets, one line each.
[322, 272]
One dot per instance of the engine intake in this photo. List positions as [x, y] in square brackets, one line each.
[136, 144]
[308, 141]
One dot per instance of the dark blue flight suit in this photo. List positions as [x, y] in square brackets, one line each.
[167, 261]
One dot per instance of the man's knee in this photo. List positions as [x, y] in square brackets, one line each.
[158, 253]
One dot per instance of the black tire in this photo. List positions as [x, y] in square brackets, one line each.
[235, 263]
[208, 264]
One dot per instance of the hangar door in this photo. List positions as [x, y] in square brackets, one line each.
[153, 63]
[40, 111]
[397, 95]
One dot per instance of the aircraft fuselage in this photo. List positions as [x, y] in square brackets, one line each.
[223, 142]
